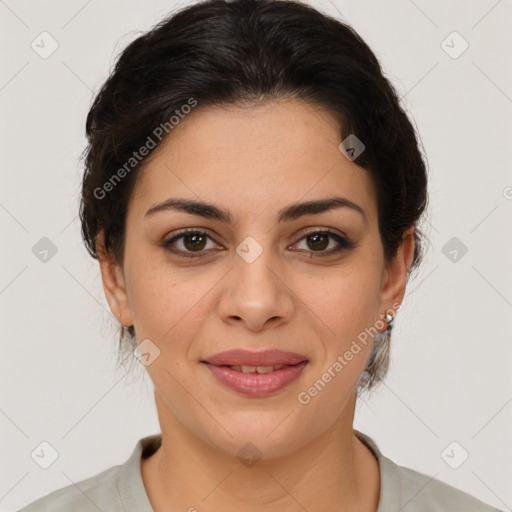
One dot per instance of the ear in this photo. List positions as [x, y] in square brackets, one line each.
[395, 274]
[114, 284]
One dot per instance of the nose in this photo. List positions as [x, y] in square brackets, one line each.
[256, 292]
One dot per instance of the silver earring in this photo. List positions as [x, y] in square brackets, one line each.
[389, 318]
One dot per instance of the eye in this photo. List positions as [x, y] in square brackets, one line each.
[191, 241]
[194, 243]
[318, 241]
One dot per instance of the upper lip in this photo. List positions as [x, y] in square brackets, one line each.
[248, 358]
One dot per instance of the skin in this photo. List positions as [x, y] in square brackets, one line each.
[253, 161]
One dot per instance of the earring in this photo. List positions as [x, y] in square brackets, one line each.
[389, 318]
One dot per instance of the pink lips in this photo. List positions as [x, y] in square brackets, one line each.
[248, 358]
[255, 384]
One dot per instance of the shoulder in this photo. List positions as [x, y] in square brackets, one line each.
[119, 488]
[87, 495]
[408, 490]
[422, 493]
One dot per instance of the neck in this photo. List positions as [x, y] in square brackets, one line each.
[335, 470]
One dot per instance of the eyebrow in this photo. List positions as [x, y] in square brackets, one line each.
[290, 212]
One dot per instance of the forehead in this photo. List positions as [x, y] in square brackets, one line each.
[254, 159]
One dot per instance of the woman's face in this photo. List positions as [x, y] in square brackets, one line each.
[261, 280]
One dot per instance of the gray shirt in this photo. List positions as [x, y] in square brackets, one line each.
[121, 489]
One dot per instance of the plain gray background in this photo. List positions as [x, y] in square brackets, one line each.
[450, 378]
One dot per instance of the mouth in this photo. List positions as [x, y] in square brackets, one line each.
[256, 369]
[256, 381]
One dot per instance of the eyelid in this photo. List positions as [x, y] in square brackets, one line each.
[317, 229]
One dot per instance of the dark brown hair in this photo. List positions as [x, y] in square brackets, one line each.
[249, 51]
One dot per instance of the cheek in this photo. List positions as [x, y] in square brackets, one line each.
[347, 307]
[167, 304]
[346, 300]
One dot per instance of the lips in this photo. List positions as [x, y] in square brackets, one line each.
[262, 360]
[254, 384]
[256, 374]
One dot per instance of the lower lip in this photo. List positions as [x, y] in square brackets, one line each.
[256, 384]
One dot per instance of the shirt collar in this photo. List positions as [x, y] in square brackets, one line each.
[131, 486]
[390, 488]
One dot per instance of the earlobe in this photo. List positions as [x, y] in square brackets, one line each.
[114, 284]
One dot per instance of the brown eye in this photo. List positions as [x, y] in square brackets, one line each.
[189, 243]
[317, 241]
[194, 242]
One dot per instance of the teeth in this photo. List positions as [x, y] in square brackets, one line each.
[258, 369]
[263, 369]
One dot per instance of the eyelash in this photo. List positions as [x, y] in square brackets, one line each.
[344, 243]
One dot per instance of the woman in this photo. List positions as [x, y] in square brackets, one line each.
[252, 193]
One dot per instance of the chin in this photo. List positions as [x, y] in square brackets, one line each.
[258, 436]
